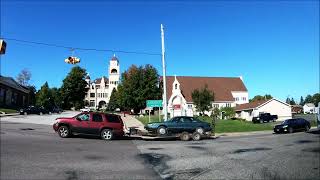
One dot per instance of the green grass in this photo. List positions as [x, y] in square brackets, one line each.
[145, 119]
[8, 111]
[224, 126]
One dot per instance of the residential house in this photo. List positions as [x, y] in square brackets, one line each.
[99, 90]
[296, 109]
[309, 108]
[273, 106]
[228, 92]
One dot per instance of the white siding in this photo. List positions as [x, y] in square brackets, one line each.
[240, 97]
[275, 107]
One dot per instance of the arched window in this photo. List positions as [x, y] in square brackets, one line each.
[114, 71]
[176, 86]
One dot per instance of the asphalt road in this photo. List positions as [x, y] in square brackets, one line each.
[33, 151]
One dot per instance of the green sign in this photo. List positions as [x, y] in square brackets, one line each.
[154, 103]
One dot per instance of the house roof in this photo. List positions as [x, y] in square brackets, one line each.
[221, 86]
[310, 105]
[9, 81]
[250, 105]
[256, 104]
[98, 80]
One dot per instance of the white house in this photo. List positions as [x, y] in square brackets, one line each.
[273, 106]
[309, 108]
[100, 89]
[228, 92]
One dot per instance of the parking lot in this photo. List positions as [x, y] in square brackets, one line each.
[34, 151]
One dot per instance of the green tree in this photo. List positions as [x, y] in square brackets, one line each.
[308, 99]
[228, 112]
[292, 102]
[73, 89]
[288, 100]
[215, 112]
[113, 102]
[316, 99]
[138, 84]
[202, 99]
[301, 103]
[44, 96]
[32, 94]
[56, 95]
[259, 98]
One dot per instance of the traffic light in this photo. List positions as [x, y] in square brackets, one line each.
[3, 46]
[72, 60]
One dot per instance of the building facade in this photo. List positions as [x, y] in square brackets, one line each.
[12, 94]
[228, 92]
[100, 89]
[273, 106]
[309, 108]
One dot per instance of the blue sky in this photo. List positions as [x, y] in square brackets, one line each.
[273, 45]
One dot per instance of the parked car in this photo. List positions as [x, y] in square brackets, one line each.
[107, 126]
[33, 110]
[291, 125]
[55, 110]
[180, 124]
[85, 109]
[264, 117]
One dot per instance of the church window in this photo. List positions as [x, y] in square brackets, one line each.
[176, 86]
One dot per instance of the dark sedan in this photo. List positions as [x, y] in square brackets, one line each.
[178, 125]
[34, 110]
[291, 125]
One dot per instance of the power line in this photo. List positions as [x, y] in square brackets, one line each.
[82, 49]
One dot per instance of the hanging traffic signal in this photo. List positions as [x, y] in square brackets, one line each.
[72, 60]
[3, 46]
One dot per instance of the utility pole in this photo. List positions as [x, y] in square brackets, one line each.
[164, 77]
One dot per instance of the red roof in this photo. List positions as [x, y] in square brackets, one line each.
[221, 86]
[98, 80]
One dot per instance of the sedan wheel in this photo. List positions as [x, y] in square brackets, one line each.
[40, 113]
[25, 113]
[162, 131]
[106, 134]
[64, 131]
[290, 130]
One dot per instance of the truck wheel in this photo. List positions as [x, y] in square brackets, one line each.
[162, 131]
[184, 136]
[64, 131]
[106, 134]
[200, 130]
[196, 136]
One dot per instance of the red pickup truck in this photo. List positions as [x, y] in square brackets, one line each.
[107, 126]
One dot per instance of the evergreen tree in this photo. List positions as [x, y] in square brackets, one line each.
[308, 99]
[292, 102]
[73, 89]
[44, 96]
[113, 102]
[301, 101]
[288, 100]
[316, 99]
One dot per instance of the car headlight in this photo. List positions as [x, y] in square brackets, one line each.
[285, 126]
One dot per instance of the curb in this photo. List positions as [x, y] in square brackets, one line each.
[11, 114]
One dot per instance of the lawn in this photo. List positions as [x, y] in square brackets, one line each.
[224, 126]
[8, 111]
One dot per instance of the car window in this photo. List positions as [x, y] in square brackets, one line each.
[83, 117]
[112, 118]
[175, 119]
[186, 120]
[97, 118]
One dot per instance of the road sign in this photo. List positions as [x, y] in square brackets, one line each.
[154, 103]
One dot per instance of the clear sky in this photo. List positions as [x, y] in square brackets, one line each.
[273, 45]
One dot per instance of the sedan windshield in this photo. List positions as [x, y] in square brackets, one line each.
[286, 121]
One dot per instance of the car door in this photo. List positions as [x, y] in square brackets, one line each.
[294, 124]
[187, 125]
[81, 124]
[114, 122]
[95, 123]
[173, 125]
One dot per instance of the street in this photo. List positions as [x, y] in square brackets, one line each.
[35, 151]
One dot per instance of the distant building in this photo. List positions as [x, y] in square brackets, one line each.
[296, 109]
[273, 106]
[309, 108]
[100, 89]
[12, 94]
[228, 92]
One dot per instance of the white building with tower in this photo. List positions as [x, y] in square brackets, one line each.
[100, 89]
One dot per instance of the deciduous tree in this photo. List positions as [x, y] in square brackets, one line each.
[202, 99]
